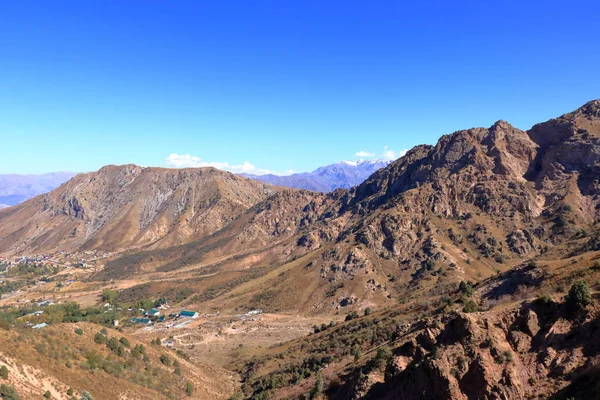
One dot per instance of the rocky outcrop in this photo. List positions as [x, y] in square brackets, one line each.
[511, 354]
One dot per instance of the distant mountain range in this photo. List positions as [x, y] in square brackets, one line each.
[344, 174]
[15, 188]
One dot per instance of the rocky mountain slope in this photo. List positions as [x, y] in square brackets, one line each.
[345, 174]
[15, 188]
[464, 251]
[125, 207]
[475, 204]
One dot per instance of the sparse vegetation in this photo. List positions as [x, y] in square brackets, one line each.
[470, 306]
[189, 388]
[8, 393]
[465, 288]
[579, 296]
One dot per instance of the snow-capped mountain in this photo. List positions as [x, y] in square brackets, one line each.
[15, 188]
[344, 174]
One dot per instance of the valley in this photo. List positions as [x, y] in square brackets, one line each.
[467, 269]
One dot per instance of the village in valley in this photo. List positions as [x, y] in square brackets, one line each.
[42, 290]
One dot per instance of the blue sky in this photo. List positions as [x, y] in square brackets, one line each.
[278, 85]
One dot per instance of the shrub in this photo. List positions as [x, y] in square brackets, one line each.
[140, 348]
[124, 341]
[544, 299]
[8, 393]
[135, 353]
[109, 295]
[382, 357]
[465, 288]
[318, 389]
[189, 388]
[351, 315]
[579, 296]
[99, 338]
[165, 360]
[470, 306]
[113, 344]
[79, 331]
[47, 394]
[86, 395]
[357, 354]
[4, 372]
[70, 392]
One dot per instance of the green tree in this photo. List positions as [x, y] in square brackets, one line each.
[70, 392]
[4, 372]
[113, 344]
[189, 388]
[579, 296]
[99, 338]
[79, 331]
[382, 357]
[470, 306]
[47, 394]
[165, 360]
[318, 389]
[465, 288]
[109, 296]
[8, 393]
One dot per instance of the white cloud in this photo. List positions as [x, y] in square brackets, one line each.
[386, 154]
[189, 161]
[389, 154]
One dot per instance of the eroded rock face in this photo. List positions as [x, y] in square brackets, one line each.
[520, 242]
[510, 354]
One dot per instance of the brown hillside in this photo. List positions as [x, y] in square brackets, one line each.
[475, 204]
[124, 207]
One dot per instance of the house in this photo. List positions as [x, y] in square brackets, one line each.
[141, 320]
[153, 313]
[188, 314]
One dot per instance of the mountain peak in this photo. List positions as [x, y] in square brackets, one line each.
[501, 124]
[591, 108]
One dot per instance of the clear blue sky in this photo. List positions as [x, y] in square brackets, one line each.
[279, 84]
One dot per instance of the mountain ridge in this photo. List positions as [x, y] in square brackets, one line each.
[16, 188]
[343, 174]
[444, 273]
